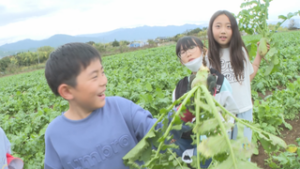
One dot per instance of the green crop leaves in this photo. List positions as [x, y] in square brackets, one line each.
[253, 19]
[28, 105]
[226, 153]
[287, 159]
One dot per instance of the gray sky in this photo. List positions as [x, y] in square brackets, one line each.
[40, 19]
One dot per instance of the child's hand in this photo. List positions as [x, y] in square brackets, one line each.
[211, 86]
[187, 116]
[268, 47]
[173, 141]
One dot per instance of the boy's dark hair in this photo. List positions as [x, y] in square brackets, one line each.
[66, 62]
[235, 46]
[186, 42]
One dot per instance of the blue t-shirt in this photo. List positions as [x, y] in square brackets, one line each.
[98, 141]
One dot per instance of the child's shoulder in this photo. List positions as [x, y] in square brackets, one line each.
[55, 124]
[226, 87]
[223, 84]
[117, 101]
[244, 49]
[1, 131]
[112, 103]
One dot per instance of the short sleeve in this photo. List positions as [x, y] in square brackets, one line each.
[7, 145]
[142, 121]
[52, 160]
[226, 86]
[173, 95]
[225, 98]
[207, 61]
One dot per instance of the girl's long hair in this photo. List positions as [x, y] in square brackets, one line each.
[236, 44]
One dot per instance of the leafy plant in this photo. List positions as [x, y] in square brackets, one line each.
[253, 19]
[28, 105]
[287, 159]
[226, 153]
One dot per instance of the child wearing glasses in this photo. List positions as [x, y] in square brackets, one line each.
[191, 53]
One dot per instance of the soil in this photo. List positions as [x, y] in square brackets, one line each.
[289, 136]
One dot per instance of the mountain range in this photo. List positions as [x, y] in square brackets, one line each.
[130, 34]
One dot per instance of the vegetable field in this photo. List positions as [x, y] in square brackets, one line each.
[148, 78]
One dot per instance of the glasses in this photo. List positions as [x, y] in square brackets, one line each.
[184, 53]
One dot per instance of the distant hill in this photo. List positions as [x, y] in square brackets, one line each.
[129, 34]
[53, 41]
[142, 33]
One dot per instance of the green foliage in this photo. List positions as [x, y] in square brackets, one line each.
[287, 61]
[136, 72]
[115, 43]
[28, 105]
[287, 159]
[202, 33]
[91, 43]
[272, 27]
[151, 42]
[124, 43]
[26, 59]
[287, 100]
[4, 62]
[253, 19]
[254, 15]
[148, 78]
[100, 47]
[230, 153]
[177, 37]
[193, 31]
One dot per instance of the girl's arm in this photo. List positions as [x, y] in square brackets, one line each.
[255, 65]
[256, 62]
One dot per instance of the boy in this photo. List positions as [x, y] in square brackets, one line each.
[96, 131]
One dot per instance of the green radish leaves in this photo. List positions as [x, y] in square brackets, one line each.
[253, 19]
[225, 153]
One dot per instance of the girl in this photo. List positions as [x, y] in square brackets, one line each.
[190, 51]
[228, 55]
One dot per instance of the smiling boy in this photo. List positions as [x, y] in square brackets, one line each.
[96, 131]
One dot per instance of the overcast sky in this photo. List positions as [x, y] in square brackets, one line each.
[39, 19]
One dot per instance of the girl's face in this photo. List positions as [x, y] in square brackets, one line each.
[190, 54]
[222, 30]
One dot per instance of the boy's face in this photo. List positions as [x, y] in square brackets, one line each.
[91, 85]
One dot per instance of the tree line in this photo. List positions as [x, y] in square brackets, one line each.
[25, 59]
[30, 58]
